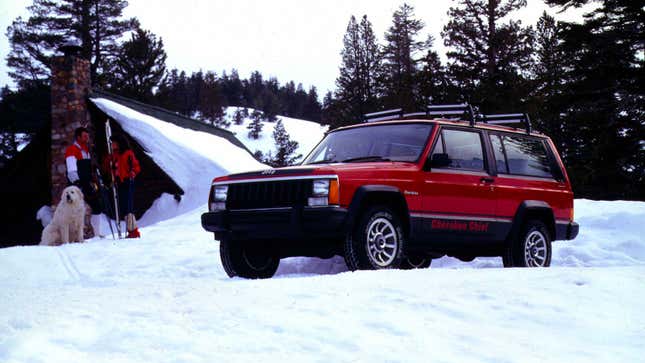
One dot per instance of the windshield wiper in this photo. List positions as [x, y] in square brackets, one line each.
[365, 158]
[326, 161]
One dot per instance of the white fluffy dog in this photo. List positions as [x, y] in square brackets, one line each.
[69, 219]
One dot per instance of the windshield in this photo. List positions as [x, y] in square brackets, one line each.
[394, 142]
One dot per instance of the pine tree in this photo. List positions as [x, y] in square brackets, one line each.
[285, 148]
[548, 81]
[329, 113]
[433, 83]
[401, 58]
[173, 92]
[488, 58]
[312, 109]
[23, 112]
[238, 116]
[232, 88]
[255, 127]
[252, 89]
[357, 91]
[95, 24]
[604, 89]
[139, 66]
[211, 101]
[268, 100]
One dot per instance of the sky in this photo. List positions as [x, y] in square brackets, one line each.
[297, 40]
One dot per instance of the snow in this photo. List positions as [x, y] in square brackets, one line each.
[194, 158]
[191, 158]
[307, 133]
[166, 298]
[45, 215]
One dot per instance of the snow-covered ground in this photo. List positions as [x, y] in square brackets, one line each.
[306, 133]
[165, 298]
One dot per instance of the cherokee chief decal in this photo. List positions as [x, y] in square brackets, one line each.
[462, 226]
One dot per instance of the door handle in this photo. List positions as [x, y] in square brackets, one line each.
[486, 180]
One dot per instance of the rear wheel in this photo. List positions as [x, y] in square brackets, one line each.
[247, 260]
[531, 249]
[376, 242]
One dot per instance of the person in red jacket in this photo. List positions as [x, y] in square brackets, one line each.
[125, 168]
[78, 162]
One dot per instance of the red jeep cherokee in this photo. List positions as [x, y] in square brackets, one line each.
[396, 194]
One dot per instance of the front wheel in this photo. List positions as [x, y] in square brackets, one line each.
[376, 242]
[531, 249]
[247, 260]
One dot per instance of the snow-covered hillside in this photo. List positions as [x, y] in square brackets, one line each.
[165, 298]
[306, 133]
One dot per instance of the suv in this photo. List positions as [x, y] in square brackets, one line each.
[397, 194]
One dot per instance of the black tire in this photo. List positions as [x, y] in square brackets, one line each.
[384, 250]
[415, 262]
[532, 248]
[247, 260]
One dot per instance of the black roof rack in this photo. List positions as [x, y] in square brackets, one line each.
[456, 111]
[461, 111]
[508, 118]
[393, 114]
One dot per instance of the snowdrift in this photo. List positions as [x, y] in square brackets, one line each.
[191, 158]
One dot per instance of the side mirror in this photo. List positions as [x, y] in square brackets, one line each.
[438, 161]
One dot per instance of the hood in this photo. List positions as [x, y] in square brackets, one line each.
[318, 169]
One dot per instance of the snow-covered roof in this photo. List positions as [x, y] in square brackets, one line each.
[191, 158]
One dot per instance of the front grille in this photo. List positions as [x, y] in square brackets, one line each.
[268, 194]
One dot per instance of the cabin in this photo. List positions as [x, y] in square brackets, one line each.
[36, 176]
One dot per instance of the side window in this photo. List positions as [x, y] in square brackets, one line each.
[527, 157]
[464, 149]
[498, 149]
[438, 147]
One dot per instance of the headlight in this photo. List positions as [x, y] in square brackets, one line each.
[220, 192]
[321, 187]
[219, 198]
[324, 193]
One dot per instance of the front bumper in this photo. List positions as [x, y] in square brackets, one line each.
[566, 231]
[277, 223]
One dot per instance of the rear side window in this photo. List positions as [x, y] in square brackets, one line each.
[464, 149]
[498, 149]
[519, 155]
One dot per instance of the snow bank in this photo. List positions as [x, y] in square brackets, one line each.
[611, 234]
[307, 133]
[191, 158]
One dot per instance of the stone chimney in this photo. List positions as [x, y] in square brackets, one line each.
[70, 87]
